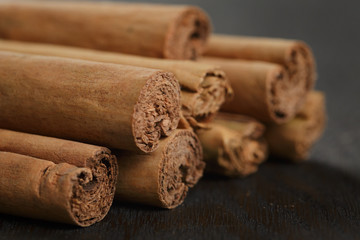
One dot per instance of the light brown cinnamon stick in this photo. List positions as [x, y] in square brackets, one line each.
[294, 55]
[96, 195]
[233, 145]
[204, 87]
[37, 188]
[106, 104]
[261, 90]
[293, 140]
[163, 177]
[163, 31]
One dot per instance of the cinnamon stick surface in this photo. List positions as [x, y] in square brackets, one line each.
[98, 193]
[162, 31]
[106, 104]
[36, 188]
[294, 55]
[261, 90]
[204, 87]
[163, 177]
[233, 145]
[293, 140]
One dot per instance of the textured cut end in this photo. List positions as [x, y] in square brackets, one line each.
[285, 95]
[157, 112]
[200, 107]
[253, 152]
[314, 121]
[187, 35]
[102, 187]
[240, 152]
[93, 197]
[300, 64]
[214, 91]
[293, 140]
[72, 189]
[82, 202]
[182, 167]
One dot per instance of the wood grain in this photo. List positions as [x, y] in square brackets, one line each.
[282, 201]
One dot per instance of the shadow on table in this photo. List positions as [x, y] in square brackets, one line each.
[308, 199]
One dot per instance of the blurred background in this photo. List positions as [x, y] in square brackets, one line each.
[332, 29]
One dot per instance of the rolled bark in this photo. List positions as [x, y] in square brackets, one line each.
[199, 107]
[36, 188]
[163, 177]
[261, 90]
[293, 141]
[162, 31]
[233, 145]
[294, 55]
[99, 189]
[204, 87]
[105, 104]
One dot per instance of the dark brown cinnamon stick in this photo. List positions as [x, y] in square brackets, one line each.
[163, 31]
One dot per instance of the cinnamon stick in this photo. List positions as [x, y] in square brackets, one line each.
[261, 90]
[163, 177]
[36, 188]
[162, 31]
[105, 104]
[233, 145]
[204, 87]
[98, 192]
[294, 55]
[95, 195]
[293, 140]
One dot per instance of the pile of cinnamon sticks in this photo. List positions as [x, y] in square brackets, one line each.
[151, 84]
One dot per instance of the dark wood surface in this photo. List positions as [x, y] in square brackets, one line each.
[308, 201]
[319, 199]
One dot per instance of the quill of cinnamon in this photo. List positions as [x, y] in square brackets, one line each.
[294, 55]
[106, 104]
[55, 179]
[163, 177]
[261, 90]
[271, 77]
[233, 145]
[162, 31]
[293, 140]
[204, 87]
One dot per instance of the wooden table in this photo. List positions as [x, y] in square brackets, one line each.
[319, 199]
